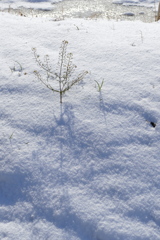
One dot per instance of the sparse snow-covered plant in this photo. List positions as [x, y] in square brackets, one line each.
[61, 79]
[99, 85]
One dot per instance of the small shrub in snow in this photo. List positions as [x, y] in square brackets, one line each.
[61, 79]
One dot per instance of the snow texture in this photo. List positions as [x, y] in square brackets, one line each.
[87, 169]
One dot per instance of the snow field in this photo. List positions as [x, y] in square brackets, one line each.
[89, 169]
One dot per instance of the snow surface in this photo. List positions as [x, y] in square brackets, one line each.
[36, 4]
[49, 4]
[88, 169]
[147, 3]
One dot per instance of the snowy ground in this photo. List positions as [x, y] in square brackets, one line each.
[147, 3]
[105, 9]
[47, 4]
[88, 169]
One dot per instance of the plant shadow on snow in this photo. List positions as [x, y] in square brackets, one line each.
[143, 215]
[79, 145]
[120, 109]
[65, 123]
[72, 145]
[10, 89]
[13, 187]
[76, 140]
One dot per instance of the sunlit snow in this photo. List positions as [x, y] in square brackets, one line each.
[89, 168]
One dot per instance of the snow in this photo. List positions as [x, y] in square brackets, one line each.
[35, 4]
[147, 3]
[49, 4]
[86, 169]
